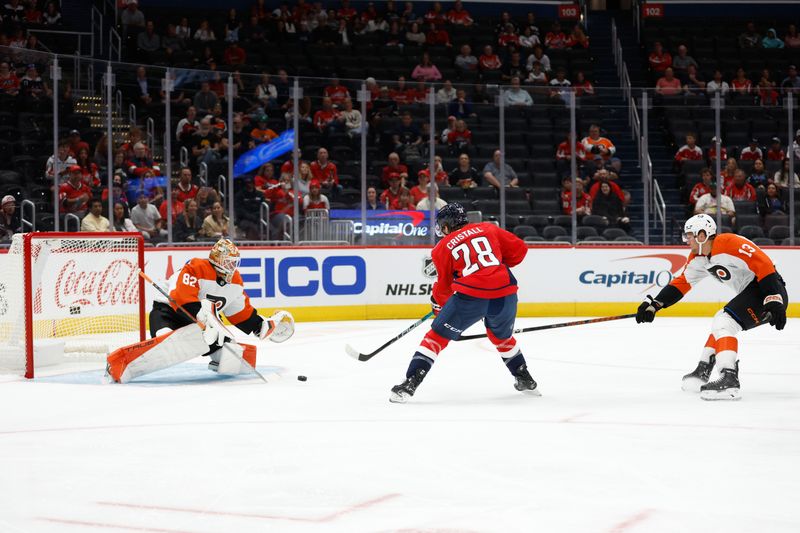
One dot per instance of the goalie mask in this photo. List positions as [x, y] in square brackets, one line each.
[225, 258]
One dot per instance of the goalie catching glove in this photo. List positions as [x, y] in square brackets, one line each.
[278, 328]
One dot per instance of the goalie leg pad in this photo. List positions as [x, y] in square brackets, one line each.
[225, 363]
[164, 351]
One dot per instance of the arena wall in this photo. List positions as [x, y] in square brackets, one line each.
[395, 282]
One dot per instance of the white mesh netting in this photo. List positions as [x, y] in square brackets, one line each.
[83, 299]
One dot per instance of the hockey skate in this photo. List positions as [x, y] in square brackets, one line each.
[698, 377]
[726, 387]
[401, 393]
[525, 382]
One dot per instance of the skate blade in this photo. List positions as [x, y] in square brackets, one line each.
[396, 397]
[715, 395]
[534, 392]
[692, 384]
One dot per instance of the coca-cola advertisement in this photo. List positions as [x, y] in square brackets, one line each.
[87, 285]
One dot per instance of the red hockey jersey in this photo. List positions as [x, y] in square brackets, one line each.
[475, 261]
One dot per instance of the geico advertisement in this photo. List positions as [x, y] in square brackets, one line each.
[317, 277]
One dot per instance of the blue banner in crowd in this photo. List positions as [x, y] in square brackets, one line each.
[404, 225]
[264, 153]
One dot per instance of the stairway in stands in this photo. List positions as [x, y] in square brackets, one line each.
[615, 118]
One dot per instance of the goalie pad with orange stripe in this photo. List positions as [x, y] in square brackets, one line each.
[172, 348]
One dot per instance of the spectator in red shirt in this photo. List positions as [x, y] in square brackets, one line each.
[75, 143]
[185, 188]
[177, 207]
[458, 16]
[436, 15]
[9, 82]
[604, 176]
[74, 194]
[315, 199]
[391, 196]
[508, 36]
[90, 173]
[581, 85]
[324, 170]
[751, 152]
[265, 177]
[555, 38]
[775, 152]
[437, 36]
[141, 163]
[234, 54]
[405, 202]
[668, 85]
[740, 84]
[346, 12]
[583, 202]
[739, 190]
[578, 38]
[402, 94]
[689, 151]
[281, 200]
[421, 92]
[442, 178]
[337, 92]
[325, 118]
[659, 59]
[728, 173]
[420, 191]
[712, 152]
[704, 187]
[459, 140]
[394, 167]
[489, 60]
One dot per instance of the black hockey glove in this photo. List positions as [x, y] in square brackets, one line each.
[774, 311]
[647, 310]
[435, 307]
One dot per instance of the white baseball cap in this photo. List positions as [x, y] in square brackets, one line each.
[8, 199]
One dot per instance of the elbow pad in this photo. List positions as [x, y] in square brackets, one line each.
[771, 284]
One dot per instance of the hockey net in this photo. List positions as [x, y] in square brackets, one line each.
[69, 297]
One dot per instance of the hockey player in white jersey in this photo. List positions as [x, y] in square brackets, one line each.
[760, 298]
[204, 288]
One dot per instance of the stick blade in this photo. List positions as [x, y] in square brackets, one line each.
[352, 352]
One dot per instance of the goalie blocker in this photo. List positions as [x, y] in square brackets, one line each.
[201, 289]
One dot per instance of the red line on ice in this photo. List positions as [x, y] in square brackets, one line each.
[641, 516]
[110, 526]
[322, 519]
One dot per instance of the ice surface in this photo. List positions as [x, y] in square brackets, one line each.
[613, 444]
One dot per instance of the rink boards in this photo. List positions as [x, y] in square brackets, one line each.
[395, 282]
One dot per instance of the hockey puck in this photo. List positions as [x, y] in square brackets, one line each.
[302, 378]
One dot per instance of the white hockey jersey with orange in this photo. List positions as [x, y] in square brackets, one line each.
[197, 280]
[734, 261]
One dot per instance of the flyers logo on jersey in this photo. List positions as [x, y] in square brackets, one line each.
[720, 272]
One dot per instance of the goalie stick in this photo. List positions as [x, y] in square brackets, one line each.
[352, 352]
[202, 326]
[553, 326]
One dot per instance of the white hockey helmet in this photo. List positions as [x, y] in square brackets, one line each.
[224, 256]
[699, 223]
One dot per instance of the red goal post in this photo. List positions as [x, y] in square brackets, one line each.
[70, 293]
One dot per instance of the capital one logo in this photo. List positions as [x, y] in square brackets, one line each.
[412, 228]
[631, 275]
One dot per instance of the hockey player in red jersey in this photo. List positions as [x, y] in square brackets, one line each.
[203, 288]
[474, 282]
[760, 298]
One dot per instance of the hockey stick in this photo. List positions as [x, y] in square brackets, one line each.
[352, 352]
[553, 326]
[166, 295]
